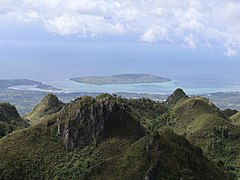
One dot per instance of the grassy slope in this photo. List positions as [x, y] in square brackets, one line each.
[205, 126]
[236, 118]
[146, 111]
[171, 157]
[38, 153]
[199, 120]
[48, 106]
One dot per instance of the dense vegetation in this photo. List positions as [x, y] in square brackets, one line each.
[10, 119]
[25, 101]
[111, 137]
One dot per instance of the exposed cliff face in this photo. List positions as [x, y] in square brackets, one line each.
[87, 120]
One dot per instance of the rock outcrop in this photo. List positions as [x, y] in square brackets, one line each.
[87, 120]
[177, 95]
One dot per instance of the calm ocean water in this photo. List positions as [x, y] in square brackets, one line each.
[197, 71]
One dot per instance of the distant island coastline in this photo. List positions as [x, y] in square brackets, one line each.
[26, 83]
[121, 79]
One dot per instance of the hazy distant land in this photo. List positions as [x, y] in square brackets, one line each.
[26, 99]
[121, 79]
[15, 83]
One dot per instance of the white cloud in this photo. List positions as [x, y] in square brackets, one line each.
[70, 24]
[231, 52]
[207, 44]
[154, 34]
[149, 36]
[64, 25]
[189, 22]
[190, 41]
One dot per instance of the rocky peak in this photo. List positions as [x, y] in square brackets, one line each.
[177, 95]
[51, 100]
[90, 120]
[49, 105]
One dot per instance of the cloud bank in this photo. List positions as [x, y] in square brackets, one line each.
[187, 22]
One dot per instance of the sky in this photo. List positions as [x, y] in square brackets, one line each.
[186, 24]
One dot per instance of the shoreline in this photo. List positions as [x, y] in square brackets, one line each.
[67, 86]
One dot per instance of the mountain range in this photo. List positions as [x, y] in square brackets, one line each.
[111, 137]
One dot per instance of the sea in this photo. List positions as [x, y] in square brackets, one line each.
[198, 71]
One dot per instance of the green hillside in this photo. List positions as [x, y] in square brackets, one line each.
[37, 153]
[204, 125]
[236, 119]
[229, 112]
[10, 120]
[102, 138]
[48, 106]
[199, 120]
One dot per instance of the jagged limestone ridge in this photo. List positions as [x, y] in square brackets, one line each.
[87, 120]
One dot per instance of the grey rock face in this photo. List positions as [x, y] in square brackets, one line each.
[87, 120]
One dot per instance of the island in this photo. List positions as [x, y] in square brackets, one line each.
[121, 79]
[18, 83]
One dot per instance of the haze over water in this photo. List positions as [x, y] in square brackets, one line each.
[55, 62]
[195, 43]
